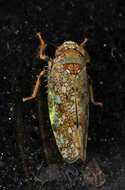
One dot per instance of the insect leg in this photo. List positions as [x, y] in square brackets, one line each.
[83, 50]
[42, 48]
[35, 89]
[91, 91]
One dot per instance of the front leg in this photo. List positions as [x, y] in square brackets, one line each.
[91, 91]
[42, 48]
[36, 88]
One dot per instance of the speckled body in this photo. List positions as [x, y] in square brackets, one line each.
[68, 103]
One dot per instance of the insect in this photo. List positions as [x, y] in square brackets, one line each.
[68, 97]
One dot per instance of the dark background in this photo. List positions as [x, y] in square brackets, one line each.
[102, 22]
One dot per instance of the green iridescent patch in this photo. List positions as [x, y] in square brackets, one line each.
[52, 114]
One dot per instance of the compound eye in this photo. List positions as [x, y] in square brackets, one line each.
[59, 50]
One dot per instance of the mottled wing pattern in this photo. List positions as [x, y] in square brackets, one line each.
[65, 92]
[83, 109]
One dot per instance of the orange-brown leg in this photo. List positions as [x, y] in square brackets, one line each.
[42, 48]
[35, 89]
[91, 91]
[84, 52]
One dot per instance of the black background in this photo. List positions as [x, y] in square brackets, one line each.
[102, 22]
